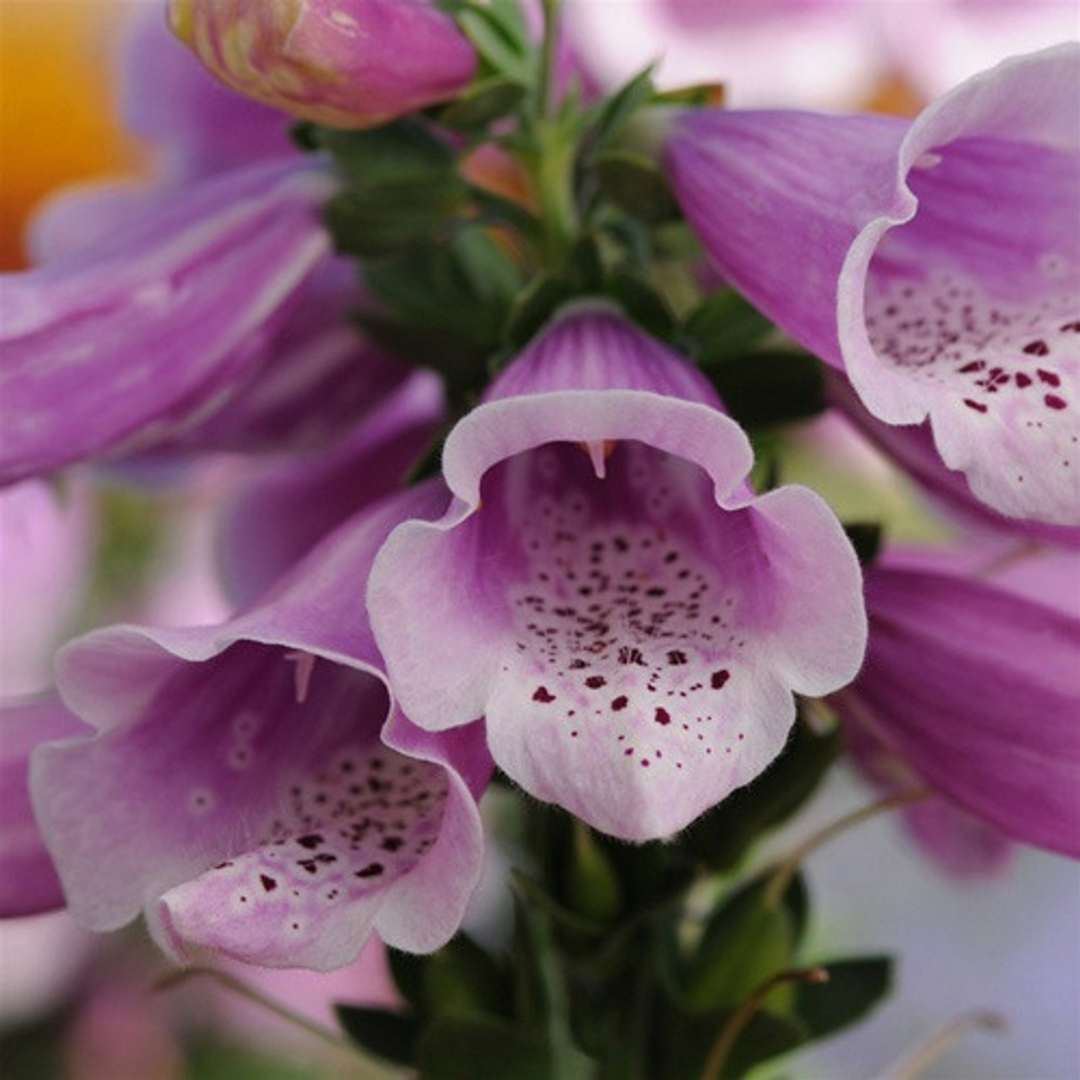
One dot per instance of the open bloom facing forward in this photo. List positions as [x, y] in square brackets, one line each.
[938, 262]
[355, 63]
[608, 592]
[242, 787]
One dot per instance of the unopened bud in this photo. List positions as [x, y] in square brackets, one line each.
[346, 63]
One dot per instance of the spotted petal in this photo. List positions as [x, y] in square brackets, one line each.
[941, 262]
[240, 788]
[606, 590]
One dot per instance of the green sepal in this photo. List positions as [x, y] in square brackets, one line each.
[866, 538]
[642, 303]
[636, 185]
[746, 939]
[855, 987]
[613, 113]
[723, 325]
[721, 837]
[403, 151]
[765, 388]
[482, 102]
[388, 1034]
[592, 887]
[500, 37]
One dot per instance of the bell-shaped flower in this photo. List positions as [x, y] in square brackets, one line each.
[976, 690]
[150, 327]
[246, 788]
[608, 592]
[937, 261]
[350, 64]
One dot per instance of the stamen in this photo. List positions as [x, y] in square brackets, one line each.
[599, 450]
[305, 664]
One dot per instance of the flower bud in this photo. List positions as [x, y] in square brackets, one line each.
[347, 63]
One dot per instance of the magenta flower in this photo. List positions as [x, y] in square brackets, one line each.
[607, 590]
[974, 690]
[937, 261]
[349, 64]
[251, 787]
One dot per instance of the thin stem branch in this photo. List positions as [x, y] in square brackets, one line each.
[547, 57]
[729, 1034]
[913, 1064]
[236, 986]
[786, 867]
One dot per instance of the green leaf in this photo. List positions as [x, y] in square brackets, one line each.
[763, 388]
[723, 325]
[389, 1035]
[636, 185]
[642, 303]
[616, 110]
[854, 988]
[482, 102]
[591, 886]
[408, 971]
[500, 37]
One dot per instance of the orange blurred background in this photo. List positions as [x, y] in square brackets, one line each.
[58, 118]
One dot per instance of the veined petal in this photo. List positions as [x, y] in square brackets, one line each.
[239, 789]
[941, 261]
[151, 327]
[977, 691]
[608, 593]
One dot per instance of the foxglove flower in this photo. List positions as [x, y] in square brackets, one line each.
[938, 262]
[349, 64]
[151, 327]
[242, 787]
[975, 690]
[608, 592]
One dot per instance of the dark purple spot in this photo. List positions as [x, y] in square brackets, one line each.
[1074, 327]
[1052, 401]
[268, 883]
[391, 843]
[719, 678]
[311, 841]
[543, 695]
[1037, 348]
[975, 365]
[371, 870]
[675, 658]
[1022, 380]
[662, 717]
[620, 703]
[594, 682]
[976, 405]
[1048, 377]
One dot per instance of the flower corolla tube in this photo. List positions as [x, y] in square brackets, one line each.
[608, 592]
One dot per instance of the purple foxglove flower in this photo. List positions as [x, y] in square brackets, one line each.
[149, 329]
[976, 691]
[608, 592]
[937, 261]
[28, 881]
[347, 63]
[242, 788]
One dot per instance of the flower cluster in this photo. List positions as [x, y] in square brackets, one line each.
[479, 346]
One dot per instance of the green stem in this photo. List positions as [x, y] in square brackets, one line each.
[786, 868]
[915, 1063]
[729, 1034]
[547, 57]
